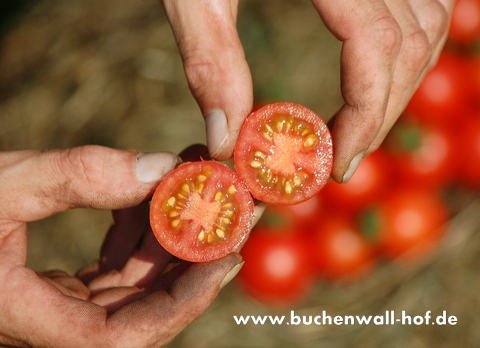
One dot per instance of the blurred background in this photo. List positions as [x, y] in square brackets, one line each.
[109, 73]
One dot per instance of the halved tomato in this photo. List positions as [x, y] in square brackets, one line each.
[284, 153]
[201, 211]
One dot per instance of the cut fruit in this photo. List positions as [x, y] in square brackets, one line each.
[284, 153]
[201, 211]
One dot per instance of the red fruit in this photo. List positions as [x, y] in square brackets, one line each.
[284, 153]
[201, 211]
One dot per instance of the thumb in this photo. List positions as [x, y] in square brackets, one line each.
[36, 184]
[215, 66]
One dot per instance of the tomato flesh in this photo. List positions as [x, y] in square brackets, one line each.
[201, 211]
[284, 153]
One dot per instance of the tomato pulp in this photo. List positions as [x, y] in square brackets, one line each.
[284, 153]
[201, 211]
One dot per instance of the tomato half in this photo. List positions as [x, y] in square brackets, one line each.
[339, 251]
[284, 153]
[277, 269]
[201, 211]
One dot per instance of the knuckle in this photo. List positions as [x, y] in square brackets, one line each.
[438, 19]
[83, 166]
[417, 49]
[388, 34]
[199, 70]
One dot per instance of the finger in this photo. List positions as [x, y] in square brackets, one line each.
[215, 66]
[87, 176]
[423, 37]
[142, 267]
[189, 296]
[371, 41]
[66, 284]
[120, 242]
[434, 17]
[146, 264]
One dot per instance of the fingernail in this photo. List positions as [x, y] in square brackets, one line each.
[352, 167]
[150, 167]
[217, 130]
[231, 274]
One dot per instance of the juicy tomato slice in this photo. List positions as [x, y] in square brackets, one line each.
[201, 211]
[284, 153]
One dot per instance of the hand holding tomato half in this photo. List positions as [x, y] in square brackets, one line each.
[136, 294]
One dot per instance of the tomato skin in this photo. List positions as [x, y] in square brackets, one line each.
[300, 218]
[465, 22]
[339, 251]
[371, 182]
[201, 211]
[284, 153]
[277, 271]
[422, 154]
[468, 151]
[408, 225]
[445, 89]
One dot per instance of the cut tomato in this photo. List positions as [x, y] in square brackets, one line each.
[284, 153]
[201, 211]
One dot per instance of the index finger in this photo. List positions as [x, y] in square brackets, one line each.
[371, 42]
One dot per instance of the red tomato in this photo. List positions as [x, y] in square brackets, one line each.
[408, 224]
[465, 22]
[468, 151]
[339, 251]
[299, 217]
[371, 181]
[277, 269]
[473, 67]
[444, 92]
[284, 153]
[422, 154]
[201, 211]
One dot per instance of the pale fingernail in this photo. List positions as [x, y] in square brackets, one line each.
[231, 274]
[217, 130]
[352, 167]
[150, 167]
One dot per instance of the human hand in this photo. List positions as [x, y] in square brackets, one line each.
[388, 46]
[136, 295]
